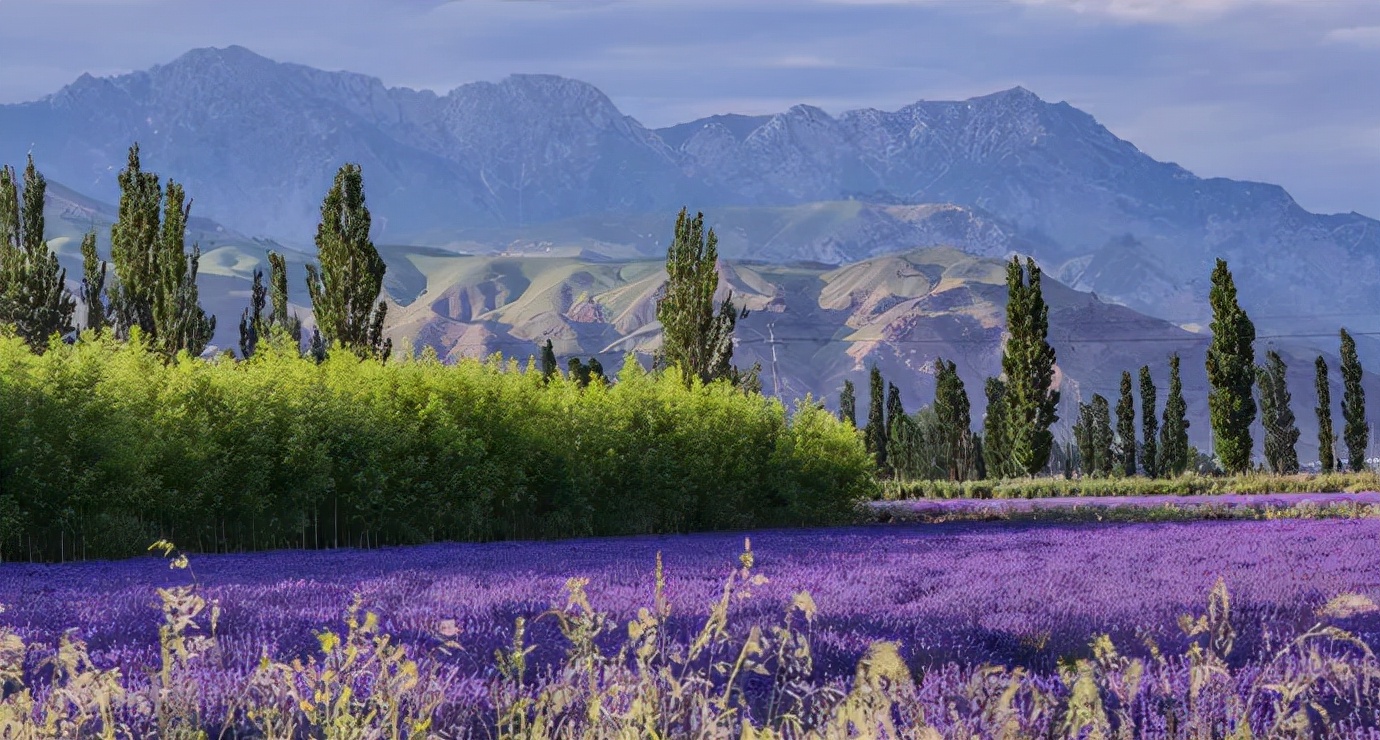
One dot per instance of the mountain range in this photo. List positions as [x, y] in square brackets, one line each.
[546, 173]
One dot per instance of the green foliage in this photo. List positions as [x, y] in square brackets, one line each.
[279, 319]
[579, 372]
[1327, 439]
[1231, 373]
[1149, 449]
[953, 411]
[1083, 438]
[33, 295]
[279, 451]
[350, 279]
[875, 433]
[1103, 460]
[1281, 433]
[93, 285]
[1354, 430]
[915, 449]
[1027, 365]
[1190, 484]
[894, 411]
[996, 439]
[179, 321]
[549, 367]
[695, 337]
[155, 290]
[252, 324]
[848, 404]
[1174, 457]
[1126, 428]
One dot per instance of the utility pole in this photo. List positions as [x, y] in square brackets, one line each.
[775, 377]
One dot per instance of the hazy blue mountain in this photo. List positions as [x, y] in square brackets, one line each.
[542, 162]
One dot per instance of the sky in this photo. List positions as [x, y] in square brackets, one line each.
[1281, 91]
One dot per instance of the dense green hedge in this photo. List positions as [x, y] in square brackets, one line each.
[1186, 485]
[104, 448]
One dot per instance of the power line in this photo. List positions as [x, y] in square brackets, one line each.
[1192, 338]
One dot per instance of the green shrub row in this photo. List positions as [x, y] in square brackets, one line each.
[1186, 485]
[104, 447]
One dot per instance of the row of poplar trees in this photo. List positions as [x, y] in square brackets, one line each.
[153, 291]
[938, 442]
[1234, 380]
[1022, 404]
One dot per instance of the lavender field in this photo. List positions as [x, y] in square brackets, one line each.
[953, 598]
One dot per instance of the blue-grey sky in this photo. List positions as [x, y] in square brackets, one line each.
[1284, 91]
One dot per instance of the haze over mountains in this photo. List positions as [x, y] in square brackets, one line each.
[543, 165]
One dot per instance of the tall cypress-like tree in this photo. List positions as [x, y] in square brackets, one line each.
[696, 336]
[996, 439]
[252, 325]
[278, 299]
[1126, 428]
[875, 432]
[549, 368]
[894, 413]
[181, 323]
[596, 371]
[1354, 431]
[1084, 440]
[1327, 437]
[1028, 366]
[1149, 448]
[93, 274]
[155, 279]
[848, 404]
[1231, 373]
[345, 290]
[1174, 433]
[134, 250]
[33, 295]
[1281, 433]
[1103, 440]
[955, 418]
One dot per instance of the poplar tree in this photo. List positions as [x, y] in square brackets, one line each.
[996, 440]
[1231, 373]
[345, 289]
[848, 404]
[1281, 433]
[278, 299]
[155, 287]
[1102, 438]
[180, 322]
[1083, 438]
[1327, 439]
[952, 408]
[875, 432]
[1149, 448]
[549, 368]
[1354, 431]
[1028, 367]
[1174, 432]
[894, 409]
[93, 284]
[252, 325]
[1126, 428]
[696, 336]
[33, 295]
[134, 250]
